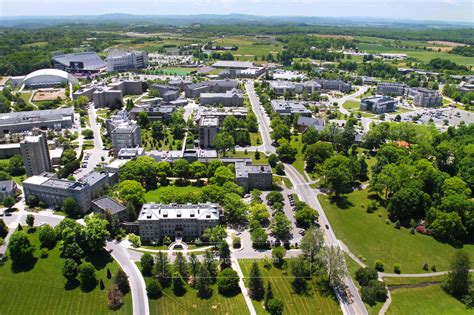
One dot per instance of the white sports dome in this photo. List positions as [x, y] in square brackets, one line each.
[48, 77]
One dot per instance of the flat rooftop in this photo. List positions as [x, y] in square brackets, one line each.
[202, 211]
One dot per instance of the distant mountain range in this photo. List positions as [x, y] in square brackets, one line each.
[214, 19]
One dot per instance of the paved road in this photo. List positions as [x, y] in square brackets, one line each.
[307, 194]
[98, 152]
[137, 283]
[342, 100]
[262, 118]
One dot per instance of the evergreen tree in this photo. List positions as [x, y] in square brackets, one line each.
[203, 282]
[458, 280]
[180, 265]
[162, 269]
[268, 294]
[224, 255]
[256, 283]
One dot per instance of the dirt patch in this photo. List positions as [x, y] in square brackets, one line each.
[445, 43]
[412, 286]
[346, 37]
[48, 95]
[441, 48]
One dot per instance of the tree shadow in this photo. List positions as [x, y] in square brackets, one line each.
[205, 295]
[324, 288]
[25, 267]
[99, 259]
[342, 202]
[71, 284]
[231, 293]
[88, 287]
[300, 286]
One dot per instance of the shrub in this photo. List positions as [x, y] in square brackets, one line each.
[236, 242]
[387, 221]
[135, 240]
[372, 206]
[379, 265]
[228, 281]
[275, 307]
[397, 268]
[433, 268]
[114, 297]
[425, 266]
[397, 225]
[44, 253]
[365, 275]
[153, 289]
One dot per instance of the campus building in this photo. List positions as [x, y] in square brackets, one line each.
[166, 92]
[395, 89]
[221, 113]
[177, 221]
[108, 205]
[125, 135]
[229, 98]
[285, 108]
[425, 97]
[212, 86]
[119, 60]
[378, 104]
[251, 176]
[286, 87]
[208, 128]
[48, 78]
[52, 191]
[112, 95]
[55, 119]
[8, 188]
[35, 154]
[235, 65]
[334, 85]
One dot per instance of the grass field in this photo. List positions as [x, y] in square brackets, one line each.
[249, 47]
[320, 300]
[255, 138]
[299, 161]
[154, 195]
[41, 290]
[251, 155]
[423, 55]
[366, 234]
[177, 70]
[351, 105]
[425, 301]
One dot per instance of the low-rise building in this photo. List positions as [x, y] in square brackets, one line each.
[230, 64]
[130, 153]
[251, 176]
[292, 88]
[112, 95]
[229, 98]
[177, 221]
[425, 97]
[387, 88]
[54, 119]
[334, 85]
[167, 92]
[111, 206]
[378, 104]
[285, 108]
[221, 113]
[8, 188]
[208, 128]
[52, 191]
[99, 182]
[304, 123]
[212, 86]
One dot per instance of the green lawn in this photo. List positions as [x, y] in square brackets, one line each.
[320, 300]
[287, 182]
[366, 234]
[425, 300]
[299, 159]
[41, 290]
[255, 139]
[250, 155]
[88, 145]
[351, 105]
[156, 195]
[178, 70]
[410, 280]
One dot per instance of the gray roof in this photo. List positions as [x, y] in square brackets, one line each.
[91, 60]
[243, 169]
[7, 185]
[232, 64]
[36, 115]
[311, 122]
[109, 204]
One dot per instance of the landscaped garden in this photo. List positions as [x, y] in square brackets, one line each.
[367, 235]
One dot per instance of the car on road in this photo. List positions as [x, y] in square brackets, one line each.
[84, 165]
[301, 232]
[327, 226]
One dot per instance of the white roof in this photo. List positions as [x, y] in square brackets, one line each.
[51, 72]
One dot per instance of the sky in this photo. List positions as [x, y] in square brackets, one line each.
[437, 10]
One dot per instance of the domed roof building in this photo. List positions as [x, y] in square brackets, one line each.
[48, 77]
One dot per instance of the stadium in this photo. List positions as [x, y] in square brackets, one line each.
[48, 77]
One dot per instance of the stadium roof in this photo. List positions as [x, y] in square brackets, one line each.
[233, 64]
[91, 60]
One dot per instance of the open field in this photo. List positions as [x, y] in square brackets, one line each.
[422, 55]
[367, 235]
[299, 163]
[249, 47]
[48, 95]
[425, 300]
[182, 71]
[41, 290]
[320, 300]
[351, 105]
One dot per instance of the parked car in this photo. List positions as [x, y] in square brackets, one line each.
[301, 232]
[327, 226]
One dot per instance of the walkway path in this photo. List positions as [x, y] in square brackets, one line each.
[243, 288]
